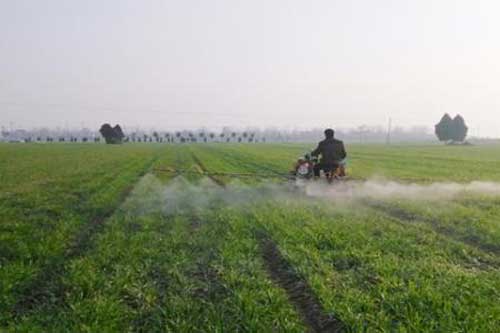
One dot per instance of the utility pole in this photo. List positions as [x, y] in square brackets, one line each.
[389, 129]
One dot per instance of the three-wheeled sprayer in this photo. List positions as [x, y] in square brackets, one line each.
[305, 166]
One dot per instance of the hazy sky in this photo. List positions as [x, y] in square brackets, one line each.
[289, 63]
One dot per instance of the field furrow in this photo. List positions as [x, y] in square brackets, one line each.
[298, 290]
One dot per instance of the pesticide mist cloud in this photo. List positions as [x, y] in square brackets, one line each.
[180, 196]
[380, 189]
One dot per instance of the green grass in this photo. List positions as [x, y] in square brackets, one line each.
[135, 238]
[49, 194]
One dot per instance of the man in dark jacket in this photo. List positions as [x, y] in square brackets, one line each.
[332, 153]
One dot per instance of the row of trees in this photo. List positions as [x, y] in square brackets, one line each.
[447, 130]
[50, 135]
[190, 137]
[201, 136]
[115, 135]
[364, 134]
[61, 139]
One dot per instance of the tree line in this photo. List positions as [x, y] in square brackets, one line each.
[449, 130]
[115, 135]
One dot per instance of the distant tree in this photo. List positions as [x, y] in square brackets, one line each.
[4, 133]
[240, 139]
[451, 130]
[444, 128]
[156, 136]
[108, 133]
[118, 132]
[212, 136]
[459, 129]
[112, 135]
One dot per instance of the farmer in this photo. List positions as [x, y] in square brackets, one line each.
[332, 153]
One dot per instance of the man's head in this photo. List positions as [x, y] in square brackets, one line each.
[329, 133]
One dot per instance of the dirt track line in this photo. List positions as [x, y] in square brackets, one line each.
[247, 160]
[47, 286]
[403, 215]
[206, 172]
[41, 290]
[297, 289]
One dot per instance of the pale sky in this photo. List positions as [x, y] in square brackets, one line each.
[289, 63]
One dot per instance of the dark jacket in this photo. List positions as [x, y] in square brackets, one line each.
[332, 151]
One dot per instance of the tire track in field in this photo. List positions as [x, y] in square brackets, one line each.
[405, 216]
[298, 290]
[30, 210]
[209, 285]
[205, 171]
[47, 286]
[283, 273]
[246, 160]
[213, 289]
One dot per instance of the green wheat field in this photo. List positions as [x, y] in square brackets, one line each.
[216, 238]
